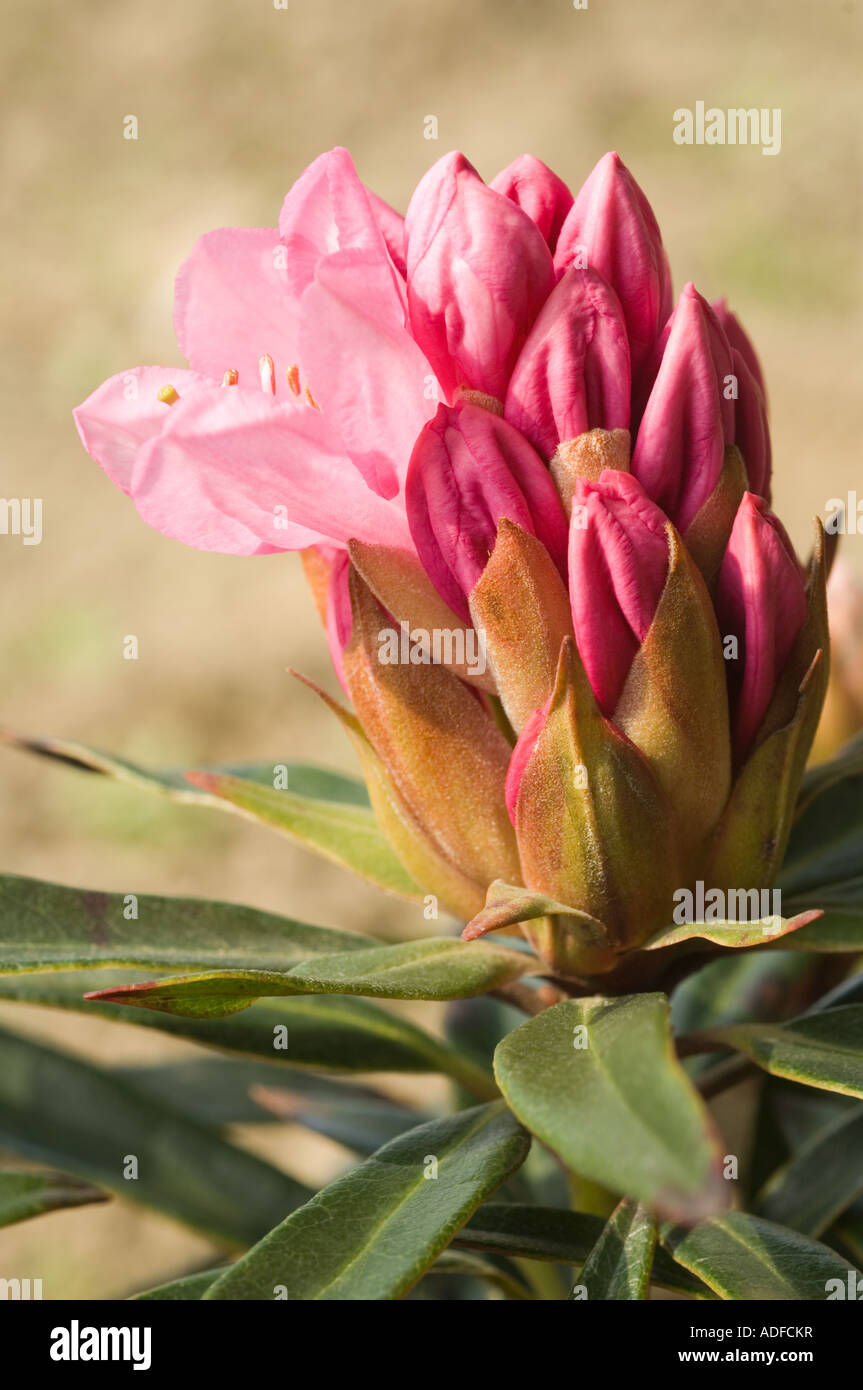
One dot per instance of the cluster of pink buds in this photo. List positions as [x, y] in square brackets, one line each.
[488, 426]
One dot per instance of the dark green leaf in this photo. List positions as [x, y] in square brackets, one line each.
[435, 968]
[819, 1049]
[372, 1233]
[597, 1080]
[331, 1032]
[823, 777]
[58, 1109]
[362, 1125]
[226, 1090]
[821, 1180]
[737, 989]
[617, 1270]
[24, 1193]
[744, 1257]
[564, 1237]
[462, 1262]
[45, 926]
[189, 1289]
[826, 843]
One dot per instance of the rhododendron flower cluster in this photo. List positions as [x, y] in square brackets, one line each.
[492, 418]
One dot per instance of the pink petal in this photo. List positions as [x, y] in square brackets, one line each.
[739, 339]
[538, 191]
[339, 619]
[572, 374]
[125, 412]
[328, 209]
[618, 563]
[233, 302]
[364, 369]
[687, 422]
[761, 599]
[612, 224]
[468, 469]
[235, 470]
[751, 430]
[478, 273]
[392, 228]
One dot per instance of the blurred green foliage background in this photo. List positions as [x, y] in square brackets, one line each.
[234, 98]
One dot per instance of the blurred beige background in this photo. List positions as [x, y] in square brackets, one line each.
[233, 99]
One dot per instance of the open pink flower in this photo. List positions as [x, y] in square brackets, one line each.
[311, 442]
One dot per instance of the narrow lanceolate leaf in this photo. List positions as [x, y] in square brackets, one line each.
[597, 1080]
[328, 1032]
[840, 930]
[349, 835]
[58, 1109]
[24, 1193]
[826, 844]
[744, 1257]
[437, 968]
[821, 1180]
[565, 1237]
[326, 811]
[462, 1262]
[46, 926]
[823, 1049]
[371, 1234]
[618, 1267]
[187, 1290]
[362, 1124]
[847, 764]
[231, 1090]
[319, 783]
[734, 935]
[737, 987]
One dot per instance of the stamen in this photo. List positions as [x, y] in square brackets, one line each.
[310, 398]
[168, 395]
[268, 373]
[293, 378]
[231, 377]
